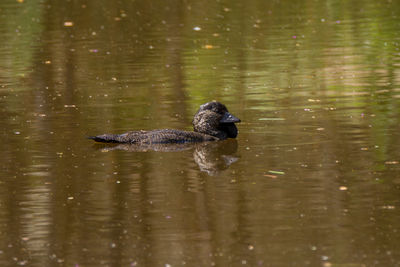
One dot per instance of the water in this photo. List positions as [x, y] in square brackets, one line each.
[312, 179]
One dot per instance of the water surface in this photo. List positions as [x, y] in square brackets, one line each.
[312, 179]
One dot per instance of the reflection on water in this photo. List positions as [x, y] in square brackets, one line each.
[311, 180]
[214, 157]
[211, 157]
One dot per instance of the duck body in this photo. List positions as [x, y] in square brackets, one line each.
[163, 136]
[212, 122]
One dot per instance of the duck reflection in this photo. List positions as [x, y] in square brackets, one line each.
[211, 157]
[215, 157]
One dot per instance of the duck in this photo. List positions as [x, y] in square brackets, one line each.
[212, 122]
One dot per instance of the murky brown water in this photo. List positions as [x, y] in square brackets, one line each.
[313, 178]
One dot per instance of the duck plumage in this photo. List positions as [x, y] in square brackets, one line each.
[212, 122]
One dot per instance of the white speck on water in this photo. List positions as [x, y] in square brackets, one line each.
[197, 28]
[271, 119]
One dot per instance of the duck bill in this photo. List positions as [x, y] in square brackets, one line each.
[229, 118]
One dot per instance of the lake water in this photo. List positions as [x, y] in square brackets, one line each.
[313, 178]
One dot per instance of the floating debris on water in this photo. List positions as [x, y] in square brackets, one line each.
[207, 46]
[271, 119]
[277, 172]
[271, 176]
[68, 24]
[388, 207]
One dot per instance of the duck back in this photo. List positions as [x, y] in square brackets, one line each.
[164, 136]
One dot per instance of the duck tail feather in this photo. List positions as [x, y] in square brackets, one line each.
[105, 138]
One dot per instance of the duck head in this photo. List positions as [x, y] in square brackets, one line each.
[214, 119]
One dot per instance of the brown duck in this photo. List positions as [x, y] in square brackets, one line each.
[212, 122]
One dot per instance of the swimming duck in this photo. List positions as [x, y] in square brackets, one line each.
[212, 122]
